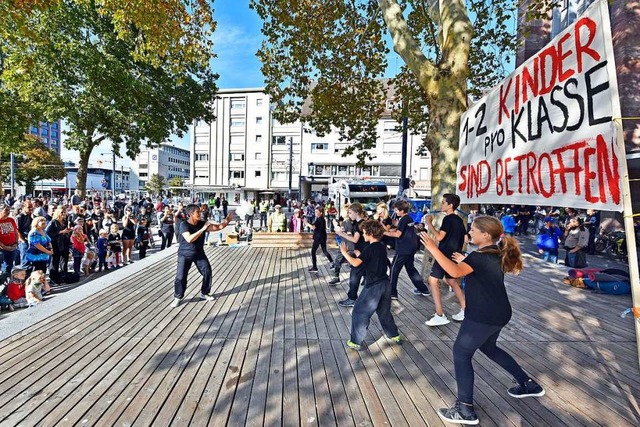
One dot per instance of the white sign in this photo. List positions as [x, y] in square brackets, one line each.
[545, 135]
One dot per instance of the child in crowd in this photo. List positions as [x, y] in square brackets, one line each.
[88, 262]
[376, 294]
[78, 247]
[488, 311]
[114, 246]
[35, 286]
[102, 249]
[15, 287]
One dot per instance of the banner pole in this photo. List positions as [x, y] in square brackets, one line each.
[627, 206]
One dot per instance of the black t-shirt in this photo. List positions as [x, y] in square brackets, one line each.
[454, 239]
[407, 243]
[320, 230]
[186, 248]
[355, 228]
[485, 295]
[374, 261]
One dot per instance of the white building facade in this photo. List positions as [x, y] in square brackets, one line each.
[247, 154]
[165, 160]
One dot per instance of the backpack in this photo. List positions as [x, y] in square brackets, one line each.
[71, 277]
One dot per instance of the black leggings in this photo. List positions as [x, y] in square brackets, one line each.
[322, 243]
[471, 337]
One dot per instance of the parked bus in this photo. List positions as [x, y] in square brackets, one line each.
[367, 193]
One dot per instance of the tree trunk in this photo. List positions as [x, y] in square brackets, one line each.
[445, 83]
[81, 177]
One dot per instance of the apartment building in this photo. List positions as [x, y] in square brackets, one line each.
[165, 160]
[49, 133]
[248, 154]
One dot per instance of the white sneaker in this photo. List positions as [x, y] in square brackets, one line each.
[176, 302]
[207, 297]
[459, 316]
[437, 320]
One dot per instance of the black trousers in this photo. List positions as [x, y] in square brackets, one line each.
[60, 261]
[322, 243]
[167, 239]
[480, 336]
[184, 264]
[406, 261]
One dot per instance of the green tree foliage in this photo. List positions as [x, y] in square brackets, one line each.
[173, 32]
[155, 185]
[32, 162]
[334, 53]
[74, 63]
[176, 181]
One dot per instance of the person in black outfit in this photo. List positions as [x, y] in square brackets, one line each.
[319, 227]
[376, 294]
[350, 231]
[191, 250]
[59, 233]
[406, 248]
[166, 226]
[451, 237]
[488, 311]
[143, 234]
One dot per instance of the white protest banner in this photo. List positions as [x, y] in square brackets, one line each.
[545, 135]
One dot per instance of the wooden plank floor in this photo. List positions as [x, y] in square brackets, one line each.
[270, 351]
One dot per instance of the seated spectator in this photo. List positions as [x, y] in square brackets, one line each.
[35, 286]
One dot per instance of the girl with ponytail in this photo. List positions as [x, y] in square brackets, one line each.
[487, 311]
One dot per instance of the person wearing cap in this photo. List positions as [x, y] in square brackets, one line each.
[548, 240]
[8, 239]
[509, 222]
[277, 220]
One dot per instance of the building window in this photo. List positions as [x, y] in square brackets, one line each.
[238, 104]
[391, 148]
[143, 175]
[279, 140]
[202, 157]
[258, 138]
[237, 156]
[54, 126]
[279, 176]
[390, 127]
[237, 123]
[258, 174]
[258, 120]
[259, 102]
[237, 174]
[258, 156]
[202, 175]
[45, 132]
[319, 146]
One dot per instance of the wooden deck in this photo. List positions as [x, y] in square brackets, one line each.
[270, 351]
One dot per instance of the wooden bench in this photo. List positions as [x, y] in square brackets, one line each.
[263, 239]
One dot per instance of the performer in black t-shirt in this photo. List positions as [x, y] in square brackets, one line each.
[406, 247]
[191, 250]
[376, 294]
[451, 237]
[488, 311]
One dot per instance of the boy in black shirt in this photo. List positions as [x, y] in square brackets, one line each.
[376, 295]
[319, 227]
[451, 239]
[406, 248]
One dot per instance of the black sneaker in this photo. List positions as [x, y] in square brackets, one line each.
[424, 294]
[313, 270]
[334, 281]
[528, 389]
[347, 303]
[459, 414]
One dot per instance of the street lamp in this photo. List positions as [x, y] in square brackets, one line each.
[290, 169]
